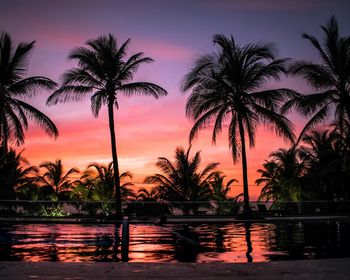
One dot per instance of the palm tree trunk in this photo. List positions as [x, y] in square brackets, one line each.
[247, 209]
[3, 136]
[118, 202]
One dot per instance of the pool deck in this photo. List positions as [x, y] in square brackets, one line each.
[284, 270]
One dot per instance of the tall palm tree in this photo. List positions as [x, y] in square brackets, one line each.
[330, 78]
[14, 112]
[103, 72]
[226, 86]
[182, 181]
[55, 181]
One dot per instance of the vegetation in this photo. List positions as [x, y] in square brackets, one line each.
[103, 72]
[228, 85]
[227, 89]
[182, 181]
[330, 79]
[14, 112]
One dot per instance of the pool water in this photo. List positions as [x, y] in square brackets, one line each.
[255, 242]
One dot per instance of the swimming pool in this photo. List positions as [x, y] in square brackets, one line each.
[238, 242]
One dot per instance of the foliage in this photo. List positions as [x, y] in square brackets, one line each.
[226, 87]
[53, 212]
[329, 78]
[100, 179]
[55, 183]
[220, 191]
[182, 181]
[14, 112]
[15, 174]
[103, 72]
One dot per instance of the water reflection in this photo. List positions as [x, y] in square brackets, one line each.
[176, 243]
[186, 244]
[249, 242]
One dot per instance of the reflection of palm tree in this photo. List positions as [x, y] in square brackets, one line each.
[182, 181]
[219, 239]
[330, 77]
[54, 181]
[249, 242]
[186, 244]
[104, 72]
[14, 113]
[224, 86]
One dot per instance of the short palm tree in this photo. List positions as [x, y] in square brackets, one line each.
[220, 192]
[281, 175]
[16, 174]
[104, 72]
[226, 86]
[182, 181]
[147, 195]
[14, 112]
[219, 188]
[330, 78]
[327, 175]
[101, 179]
[55, 182]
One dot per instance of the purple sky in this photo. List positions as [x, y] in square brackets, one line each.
[173, 33]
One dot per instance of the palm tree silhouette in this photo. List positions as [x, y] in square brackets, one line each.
[16, 174]
[225, 85]
[104, 71]
[330, 78]
[14, 112]
[55, 181]
[281, 175]
[220, 192]
[182, 181]
[101, 178]
[147, 195]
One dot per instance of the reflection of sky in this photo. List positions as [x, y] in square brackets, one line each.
[78, 243]
[176, 243]
[172, 33]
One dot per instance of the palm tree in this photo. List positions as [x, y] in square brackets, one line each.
[55, 182]
[182, 181]
[14, 112]
[330, 79]
[282, 175]
[225, 87]
[220, 192]
[146, 195]
[103, 71]
[325, 163]
[16, 174]
[101, 177]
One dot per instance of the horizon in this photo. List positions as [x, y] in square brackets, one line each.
[173, 37]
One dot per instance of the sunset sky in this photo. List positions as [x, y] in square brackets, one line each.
[173, 33]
